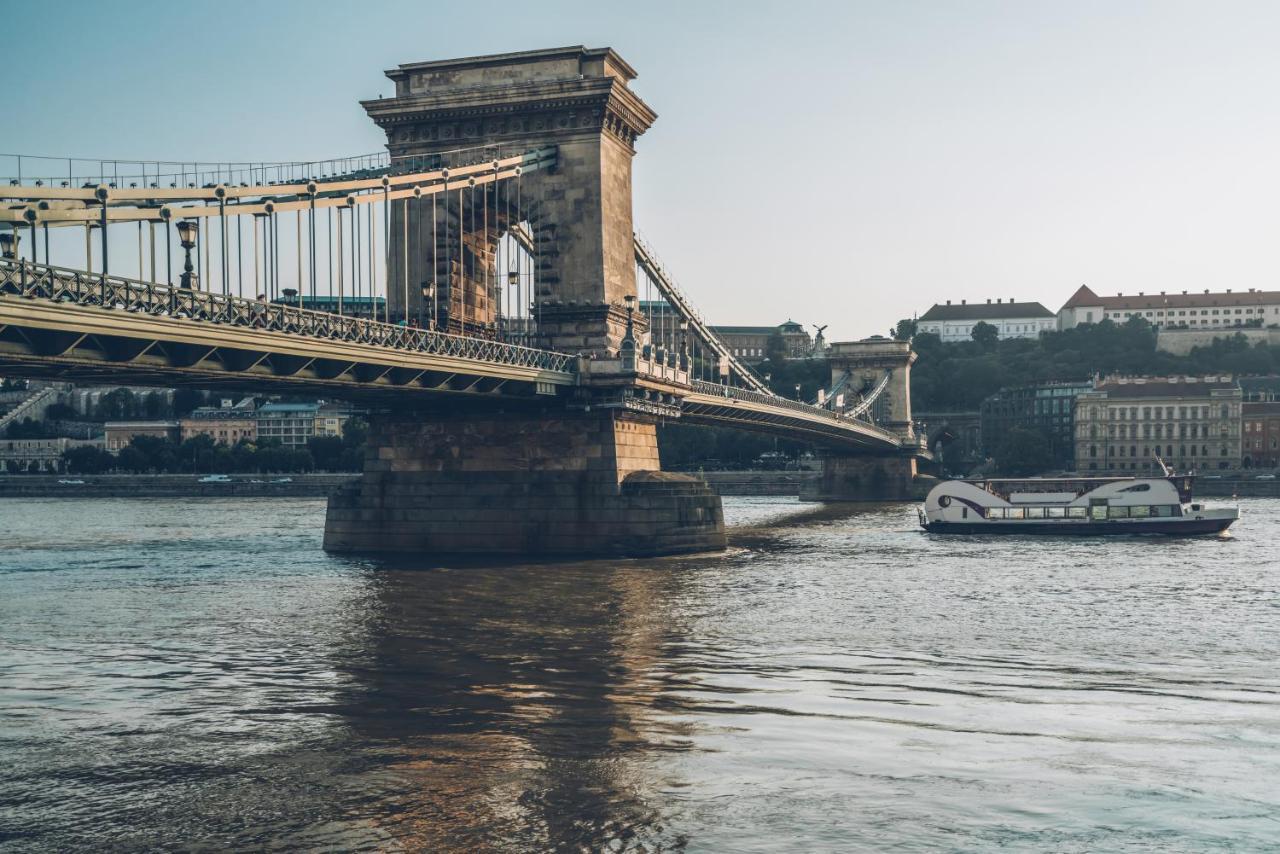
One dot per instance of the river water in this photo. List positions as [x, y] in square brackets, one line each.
[199, 674]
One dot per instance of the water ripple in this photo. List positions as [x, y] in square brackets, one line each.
[835, 681]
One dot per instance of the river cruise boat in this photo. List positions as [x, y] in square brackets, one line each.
[1090, 506]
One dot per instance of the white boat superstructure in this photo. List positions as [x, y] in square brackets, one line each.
[1158, 505]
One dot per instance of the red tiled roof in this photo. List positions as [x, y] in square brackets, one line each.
[1137, 302]
[1082, 296]
[1161, 387]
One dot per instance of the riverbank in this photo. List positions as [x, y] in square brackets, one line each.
[305, 485]
[756, 482]
[168, 485]
[1228, 487]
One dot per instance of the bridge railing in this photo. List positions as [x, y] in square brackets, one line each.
[58, 284]
[28, 170]
[748, 396]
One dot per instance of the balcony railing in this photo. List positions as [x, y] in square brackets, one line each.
[58, 284]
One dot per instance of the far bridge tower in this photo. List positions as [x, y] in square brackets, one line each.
[861, 368]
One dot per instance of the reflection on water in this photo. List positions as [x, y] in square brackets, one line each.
[204, 676]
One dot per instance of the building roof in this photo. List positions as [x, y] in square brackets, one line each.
[1083, 296]
[1270, 383]
[745, 330]
[1144, 301]
[1165, 386]
[242, 409]
[285, 408]
[140, 425]
[759, 330]
[997, 310]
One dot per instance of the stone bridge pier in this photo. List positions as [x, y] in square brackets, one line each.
[578, 474]
[542, 483]
[859, 367]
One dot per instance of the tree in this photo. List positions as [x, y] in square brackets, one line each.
[776, 348]
[355, 432]
[27, 429]
[327, 452]
[116, 405]
[187, 399]
[985, 335]
[196, 454]
[153, 405]
[133, 460]
[87, 459]
[905, 330]
[1024, 452]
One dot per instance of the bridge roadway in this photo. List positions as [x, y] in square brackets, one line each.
[63, 323]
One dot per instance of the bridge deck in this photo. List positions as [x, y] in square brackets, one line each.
[72, 325]
[61, 322]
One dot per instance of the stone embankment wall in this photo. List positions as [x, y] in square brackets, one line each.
[1233, 486]
[169, 485]
[755, 482]
[1180, 342]
[320, 485]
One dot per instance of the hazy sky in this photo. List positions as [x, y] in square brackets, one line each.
[842, 163]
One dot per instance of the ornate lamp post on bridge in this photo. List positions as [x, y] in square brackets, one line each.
[428, 295]
[627, 349]
[9, 241]
[684, 344]
[513, 281]
[188, 229]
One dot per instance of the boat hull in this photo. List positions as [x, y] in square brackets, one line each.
[1174, 527]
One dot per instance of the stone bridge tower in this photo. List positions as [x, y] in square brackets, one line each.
[570, 471]
[576, 99]
[861, 367]
[867, 363]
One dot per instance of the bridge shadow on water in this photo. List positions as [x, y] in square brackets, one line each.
[511, 708]
[526, 706]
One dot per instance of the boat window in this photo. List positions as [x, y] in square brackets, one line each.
[964, 512]
[1057, 512]
[1118, 512]
[1013, 513]
[1034, 512]
[1077, 512]
[1098, 511]
[1140, 512]
[1138, 487]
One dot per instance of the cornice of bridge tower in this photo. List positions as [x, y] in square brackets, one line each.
[547, 94]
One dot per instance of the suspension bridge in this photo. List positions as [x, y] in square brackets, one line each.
[476, 284]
